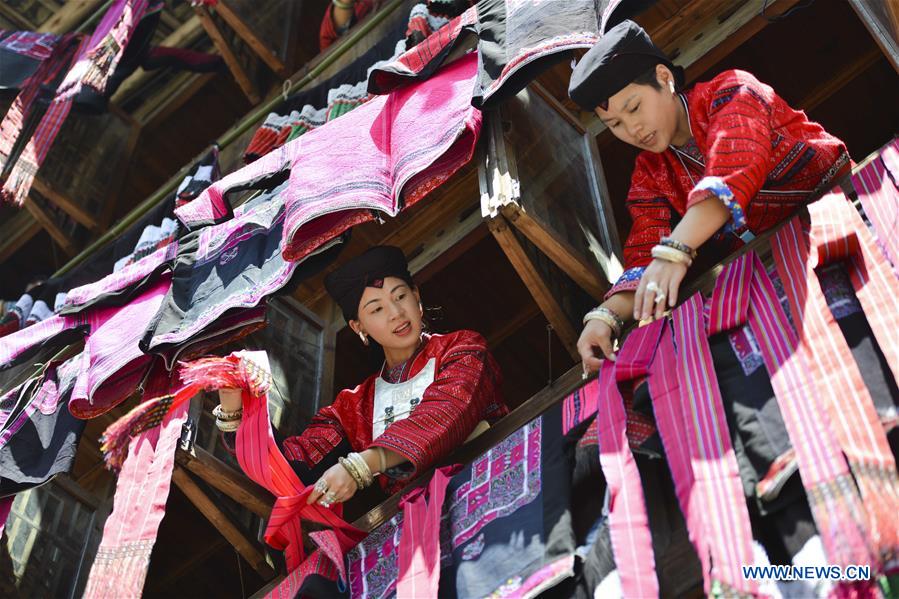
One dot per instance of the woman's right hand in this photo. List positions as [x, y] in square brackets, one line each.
[596, 334]
[231, 399]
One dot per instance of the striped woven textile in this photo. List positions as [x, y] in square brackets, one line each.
[725, 525]
[878, 190]
[628, 519]
[746, 288]
[18, 182]
[837, 233]
[129, 534]
[262, 460]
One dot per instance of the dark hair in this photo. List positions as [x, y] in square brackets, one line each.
[649, 78]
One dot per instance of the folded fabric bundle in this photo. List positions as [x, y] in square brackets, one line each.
[38, 435]
[383, 156]
[230, 266]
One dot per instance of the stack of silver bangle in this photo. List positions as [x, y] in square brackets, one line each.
[607, 316]
[357, 468]
[672, 250]
[227, 421]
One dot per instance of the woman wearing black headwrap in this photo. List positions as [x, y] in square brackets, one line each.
[431, 394]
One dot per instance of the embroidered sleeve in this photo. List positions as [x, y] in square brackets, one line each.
[739, 145]
[322, 435]
[652, 214]
[464, 392]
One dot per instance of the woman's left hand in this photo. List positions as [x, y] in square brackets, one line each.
[340, 486]
[667, 277]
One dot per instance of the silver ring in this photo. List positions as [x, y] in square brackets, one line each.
[321, 486]
[653, 287]
[324, 503]
[331, 497]
[660, 297]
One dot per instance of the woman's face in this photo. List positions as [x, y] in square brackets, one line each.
[643, 116]
[391, 315]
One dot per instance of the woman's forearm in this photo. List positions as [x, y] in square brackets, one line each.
[700, 222]
[373, 459]
[622, 304]
[230, 399]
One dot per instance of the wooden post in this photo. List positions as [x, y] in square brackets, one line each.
[47, 222]
[246, 547]
[535, 283]
[251, 39]
[226, 479]
[558, 250]
[70, 16]
[66, 203]
[15, 232]
[228, 55]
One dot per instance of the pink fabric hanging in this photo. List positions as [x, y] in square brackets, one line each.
[837, 233]
[628, 520]
[261, 459]
[716, 474]
[120, 567]
[747, 294]
[876, 185]
[419, 548]
[383, 156]
[5, 508]
[104, 50]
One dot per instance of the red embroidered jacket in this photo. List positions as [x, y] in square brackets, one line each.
[466, 390]
[749, 149]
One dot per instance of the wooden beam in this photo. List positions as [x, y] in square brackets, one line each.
[226, 479]
[522, 264]
[255, 43]
[47, 222]
[72, 14]
[228, 55]
[879, 30]
[841, 78]
[15, 232]
[17, 20]
[559, 251]
[182, 37]
[66, 203]
[173, 97]
[245, 547]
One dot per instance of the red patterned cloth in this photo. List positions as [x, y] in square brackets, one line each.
[751, 150]
[466, 390]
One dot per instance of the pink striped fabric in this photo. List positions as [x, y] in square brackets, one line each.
[628, 520]
[837, 233]
[726, 528]
[120, 567]
[262, 460]
[18, 183]
[876, 187]
[419, 547]
[670, 416]
[834, 501]
[105, 48]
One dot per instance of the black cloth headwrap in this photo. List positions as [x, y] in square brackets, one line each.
[347, 284]
[621, 55]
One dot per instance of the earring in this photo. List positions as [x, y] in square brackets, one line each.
[364, 338]
[671, 85]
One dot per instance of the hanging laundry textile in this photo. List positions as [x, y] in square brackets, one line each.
[628, 520]
[206, 171]
[837, 233]
[261, 459]
[142, 489]
[21, 54]
[519, 489]
[877, 185]
[230, 266]
[389, 154]
[516, 42]
[104, 50]
[745, 293]
[373, 564]
[338, 95]
[38, 435]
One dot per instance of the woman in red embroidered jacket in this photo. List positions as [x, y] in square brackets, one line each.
[722, 162]
[433, 392]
